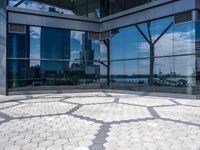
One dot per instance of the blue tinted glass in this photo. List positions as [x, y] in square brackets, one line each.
[163, 33]
[130, 43]
[17, 73]
[131, 74]
[117, 74]
[143, 71]
[164, 71]
[55, 43]
[76, 45]
[17, 46]
[117, 44]
[184, 38]
[35, 42]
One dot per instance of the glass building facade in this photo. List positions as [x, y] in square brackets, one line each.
[49, 56]
[154, 56]
[160, 54]
[89, 8]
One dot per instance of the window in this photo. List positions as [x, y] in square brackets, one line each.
[55, 43]
[35, 42]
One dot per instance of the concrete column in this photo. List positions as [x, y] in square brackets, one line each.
[3, 32]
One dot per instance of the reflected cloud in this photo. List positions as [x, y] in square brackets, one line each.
[35, 32]
[182, 42]
[77, 35]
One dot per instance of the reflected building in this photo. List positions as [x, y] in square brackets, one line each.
[101, 44]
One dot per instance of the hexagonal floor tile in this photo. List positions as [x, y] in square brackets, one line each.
[113, 112]
[182, 113]
[151, 135]
[7, 104]
[146, 101]
[48, 132]
[90, 100]
[34, 109]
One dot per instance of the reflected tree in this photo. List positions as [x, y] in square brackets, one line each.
[151, 42]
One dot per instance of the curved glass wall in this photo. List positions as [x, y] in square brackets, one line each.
[157, 55]
[47, 56]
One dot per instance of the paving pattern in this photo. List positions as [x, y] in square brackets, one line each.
[99, 121]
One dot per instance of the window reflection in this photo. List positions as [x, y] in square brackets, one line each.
[35, 42]
[184, 73]
[131, 74]
[130, 43]
[34, 77]
[117, 74]
[17, 73]
[64, 57]
[164, 72]
[89, 8]
[103, 51]
[53, 57]
[143, 71]
[55, 43]
[76, 45]
[184, 38]
[117, 44]
[17, 45]
[165, 45]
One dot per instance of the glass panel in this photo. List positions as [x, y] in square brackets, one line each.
[88, 73]
[165, 45]
[163, 71]
[103, 75]
[65, 7]
[71, 73]
[17, 46]
[55, 43]
[34, 77]
[87, 53]
[134, 3]
[143, 74]
[130, 43]
[185, 73]
[131, 74]
[184, 38]
[143, 47]
[105, 7]
[116, 6]
[80, 7]
[198, 74]
[13, 2]
[117, 44]
[17, 73]
[96, 50]
[94, 8]
[197, 58]
[54, 72]
[103, 52]
[117, 74]
[35, 42]
[76, 45]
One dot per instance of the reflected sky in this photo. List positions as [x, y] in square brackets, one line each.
[35, 42]
[128, 43]
[29, 4]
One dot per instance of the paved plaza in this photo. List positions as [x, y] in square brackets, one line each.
[99, 120]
